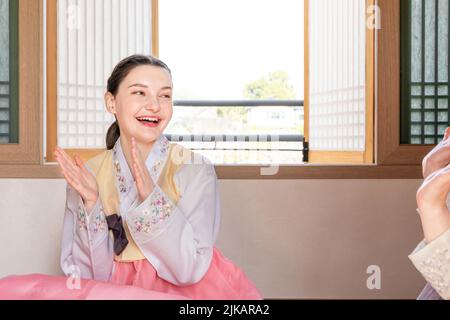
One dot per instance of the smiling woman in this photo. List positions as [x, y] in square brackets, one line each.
[163, 211]
[128, 89]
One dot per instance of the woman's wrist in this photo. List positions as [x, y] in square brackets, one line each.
[427, 207]
[89, 204]
[432, 210]
[435, 220]
[430, 202]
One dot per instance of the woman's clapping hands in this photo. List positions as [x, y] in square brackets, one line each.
[78, 177]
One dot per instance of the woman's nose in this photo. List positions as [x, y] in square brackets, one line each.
[153, 105]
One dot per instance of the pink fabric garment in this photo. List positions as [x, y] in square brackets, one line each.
[222, 281]
[136, 280]
[44, 287]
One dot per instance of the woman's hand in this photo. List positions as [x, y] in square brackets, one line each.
[78, 177]
[432, 203]
[434, 189]
[438, 158]
[144, 182]
[432, 195]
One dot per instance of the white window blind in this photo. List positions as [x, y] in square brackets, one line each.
[337, 33]
[93, 36]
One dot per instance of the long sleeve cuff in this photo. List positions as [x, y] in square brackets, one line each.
[151, 217]
[433, 262]
[91, 227]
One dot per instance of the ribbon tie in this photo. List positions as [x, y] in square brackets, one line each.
[116, 226]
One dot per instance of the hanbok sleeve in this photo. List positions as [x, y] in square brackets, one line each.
[86, 248]
[178, 239]
[433, 262]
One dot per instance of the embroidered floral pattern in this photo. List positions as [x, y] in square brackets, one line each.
[159, 211]
[81, 218]
[122, 185]
[436, 270]
[99, 223]
[164, 145]
[156, 168]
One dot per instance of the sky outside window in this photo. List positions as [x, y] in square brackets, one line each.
[216, 47]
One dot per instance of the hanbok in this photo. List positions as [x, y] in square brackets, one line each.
[162, 247]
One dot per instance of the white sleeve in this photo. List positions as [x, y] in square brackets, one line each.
[86, 248]
[178, 239]
[433, 262]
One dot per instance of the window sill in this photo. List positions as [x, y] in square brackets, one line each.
[251, 172]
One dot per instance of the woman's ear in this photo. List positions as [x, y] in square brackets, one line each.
[110, 103]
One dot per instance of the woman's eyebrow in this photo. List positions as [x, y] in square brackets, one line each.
[138, 85]
[144, 86]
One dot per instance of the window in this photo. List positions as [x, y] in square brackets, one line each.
[9, 131]
[390, 151]
[338, 116]
[238, 77]
[239, 87]
[88, 38]
[20, 53]
[340, 81]
[425, 70]
[25, 159]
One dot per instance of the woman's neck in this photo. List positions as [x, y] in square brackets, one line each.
[144, 149]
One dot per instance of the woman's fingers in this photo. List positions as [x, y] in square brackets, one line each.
[77, 175]
[74, 177]
[434, 188]
[439, 178]
[73, 181]
[447, 133]
[67, 161]
[137, 174]
[133, 157]
[442, 155]
[69, 179]
[136, 160]
[437, 158]
[79, 162]
[61, 161]
[69, 166]
[81, 165]
[68, 170]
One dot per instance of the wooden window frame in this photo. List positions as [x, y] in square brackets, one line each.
[27, 151]
[393, 160]
[389, 150]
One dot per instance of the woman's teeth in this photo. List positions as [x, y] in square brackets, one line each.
[148, 120]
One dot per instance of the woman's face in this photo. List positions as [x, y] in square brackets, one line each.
[146, 92]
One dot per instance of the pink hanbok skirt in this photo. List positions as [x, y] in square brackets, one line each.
[136, 280]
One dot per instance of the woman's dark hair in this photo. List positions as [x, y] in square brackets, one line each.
[121, 70]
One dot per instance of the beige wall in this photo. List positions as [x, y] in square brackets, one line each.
[293, 238]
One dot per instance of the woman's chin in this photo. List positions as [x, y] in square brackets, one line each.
[144, 134]
[148, 137]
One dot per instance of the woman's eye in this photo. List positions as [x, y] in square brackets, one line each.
[168, 96]
[139, 93]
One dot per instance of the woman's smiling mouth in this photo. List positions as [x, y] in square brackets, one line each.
[149, 121]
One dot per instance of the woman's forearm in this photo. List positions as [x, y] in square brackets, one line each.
[435, 221]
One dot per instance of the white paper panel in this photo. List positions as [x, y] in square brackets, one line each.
[337, 75]
[93, 36]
